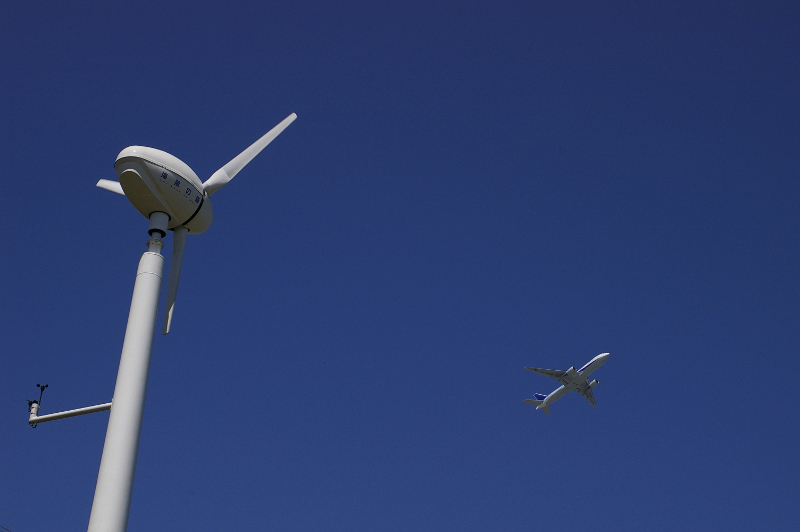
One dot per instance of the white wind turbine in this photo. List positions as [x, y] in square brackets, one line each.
[167, 192]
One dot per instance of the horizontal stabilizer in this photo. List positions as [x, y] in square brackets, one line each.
[538, 404]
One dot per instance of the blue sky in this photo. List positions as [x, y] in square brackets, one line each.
[469, 188]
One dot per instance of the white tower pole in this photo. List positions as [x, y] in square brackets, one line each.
[112, 496]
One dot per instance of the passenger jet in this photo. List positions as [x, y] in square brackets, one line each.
[571, 381]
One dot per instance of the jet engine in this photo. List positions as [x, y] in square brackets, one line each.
[594, 383]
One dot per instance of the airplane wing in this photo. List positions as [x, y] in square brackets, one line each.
[552, 373]
[587, 393]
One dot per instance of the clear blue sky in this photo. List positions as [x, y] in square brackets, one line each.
[469, 188]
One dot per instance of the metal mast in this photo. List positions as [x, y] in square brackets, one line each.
[112, 496]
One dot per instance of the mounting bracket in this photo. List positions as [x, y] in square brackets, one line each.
[35, 418]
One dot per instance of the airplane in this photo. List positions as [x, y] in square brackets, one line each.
[571, 380]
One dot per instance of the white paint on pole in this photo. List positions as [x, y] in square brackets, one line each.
[112, 497]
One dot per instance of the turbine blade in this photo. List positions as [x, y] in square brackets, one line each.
[113, 186]
[178, 244]
[221, 177]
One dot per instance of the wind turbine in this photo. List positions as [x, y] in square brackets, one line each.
[169, 194]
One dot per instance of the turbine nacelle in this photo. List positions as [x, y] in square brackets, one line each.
[155, 181]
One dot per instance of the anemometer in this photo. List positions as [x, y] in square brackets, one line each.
[33, 406]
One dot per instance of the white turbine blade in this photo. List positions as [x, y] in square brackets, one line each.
[178, 244]
[113, 186]
[227, 172]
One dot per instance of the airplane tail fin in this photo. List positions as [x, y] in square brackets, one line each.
[538, 402]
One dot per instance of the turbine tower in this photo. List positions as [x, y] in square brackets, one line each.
[171, 196]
